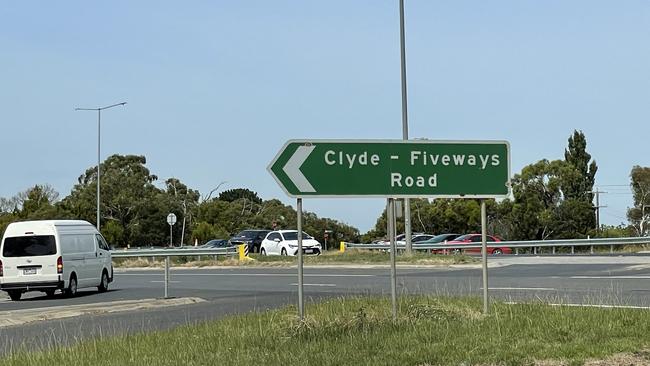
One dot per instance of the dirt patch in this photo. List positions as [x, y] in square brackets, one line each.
[641, 358]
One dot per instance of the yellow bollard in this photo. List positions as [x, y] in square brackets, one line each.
[242, 249]
[342, 249]
[243, 252]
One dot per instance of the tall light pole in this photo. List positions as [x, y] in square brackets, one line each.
[99, 140]
[405, 121]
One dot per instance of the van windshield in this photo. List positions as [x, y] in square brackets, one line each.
[29, 246]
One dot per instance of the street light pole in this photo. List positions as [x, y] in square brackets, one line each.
[405, 123]
[99, 139]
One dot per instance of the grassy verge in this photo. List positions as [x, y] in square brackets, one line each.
[333, 257]
[429, 331]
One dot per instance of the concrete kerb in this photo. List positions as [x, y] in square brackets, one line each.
[22, 316]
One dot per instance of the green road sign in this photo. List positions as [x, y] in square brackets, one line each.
[393, 168]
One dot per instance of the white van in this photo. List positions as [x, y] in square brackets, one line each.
[53, 255]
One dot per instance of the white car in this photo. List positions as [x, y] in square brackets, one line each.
[285, 242]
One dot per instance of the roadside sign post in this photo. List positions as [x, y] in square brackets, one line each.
[390, 211]
[484, 257]
[391, 169]
[301, 298]
[171, 220]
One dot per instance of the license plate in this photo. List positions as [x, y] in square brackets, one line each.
[29, 271]
[308, 251]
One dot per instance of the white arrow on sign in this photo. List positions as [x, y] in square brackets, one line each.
[292, 168]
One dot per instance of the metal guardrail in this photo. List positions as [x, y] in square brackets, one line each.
[534, 244]
[172, 252]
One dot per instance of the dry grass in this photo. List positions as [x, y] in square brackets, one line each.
[329, 258]
[361, 331]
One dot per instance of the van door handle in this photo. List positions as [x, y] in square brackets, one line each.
[95, 254]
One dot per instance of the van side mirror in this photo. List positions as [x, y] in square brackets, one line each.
[276, 240]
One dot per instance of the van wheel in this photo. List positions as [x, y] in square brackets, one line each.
[15, 295]
[49, 293]
[103, 286]
[71, 291]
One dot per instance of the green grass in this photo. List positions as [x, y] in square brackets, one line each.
[331, 257]
[360, 331]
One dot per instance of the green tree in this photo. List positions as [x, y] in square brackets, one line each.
[578, 174]
[239, 193]
[639, 215]
[537, 194]
[129, 198]
[578, 180]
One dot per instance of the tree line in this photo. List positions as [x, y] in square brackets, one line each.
[550, 200]
[133, 208]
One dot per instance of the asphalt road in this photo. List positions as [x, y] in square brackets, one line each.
[583, 280]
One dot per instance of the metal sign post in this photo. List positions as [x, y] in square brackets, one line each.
[484, 256]
[301, 298]
[171, 220]
[390, 211]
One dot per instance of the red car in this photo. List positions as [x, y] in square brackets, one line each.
[476, 239]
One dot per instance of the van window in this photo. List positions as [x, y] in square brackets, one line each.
[77, 243]
[102, 243]
[29, 246]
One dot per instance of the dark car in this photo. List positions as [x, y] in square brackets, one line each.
[216, 243]
[476, 239]
[251, 237]
[438, 239]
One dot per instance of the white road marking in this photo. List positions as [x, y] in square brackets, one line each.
[522, 288]
[164, 281]
[590, 306]
[611, 277]
[249, 274]
[315, 284]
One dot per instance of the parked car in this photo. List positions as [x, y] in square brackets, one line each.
[438, 239]
[216, 243]
[401, 238]
[285, 242]
[476, 239]
[418, 238]
[252, 237]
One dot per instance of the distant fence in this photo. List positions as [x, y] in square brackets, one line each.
[533, 245]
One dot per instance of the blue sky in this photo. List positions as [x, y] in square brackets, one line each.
[215, 88]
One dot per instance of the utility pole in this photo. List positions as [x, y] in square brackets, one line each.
[597, 192]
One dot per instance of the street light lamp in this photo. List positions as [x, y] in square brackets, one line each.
[99, 134]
